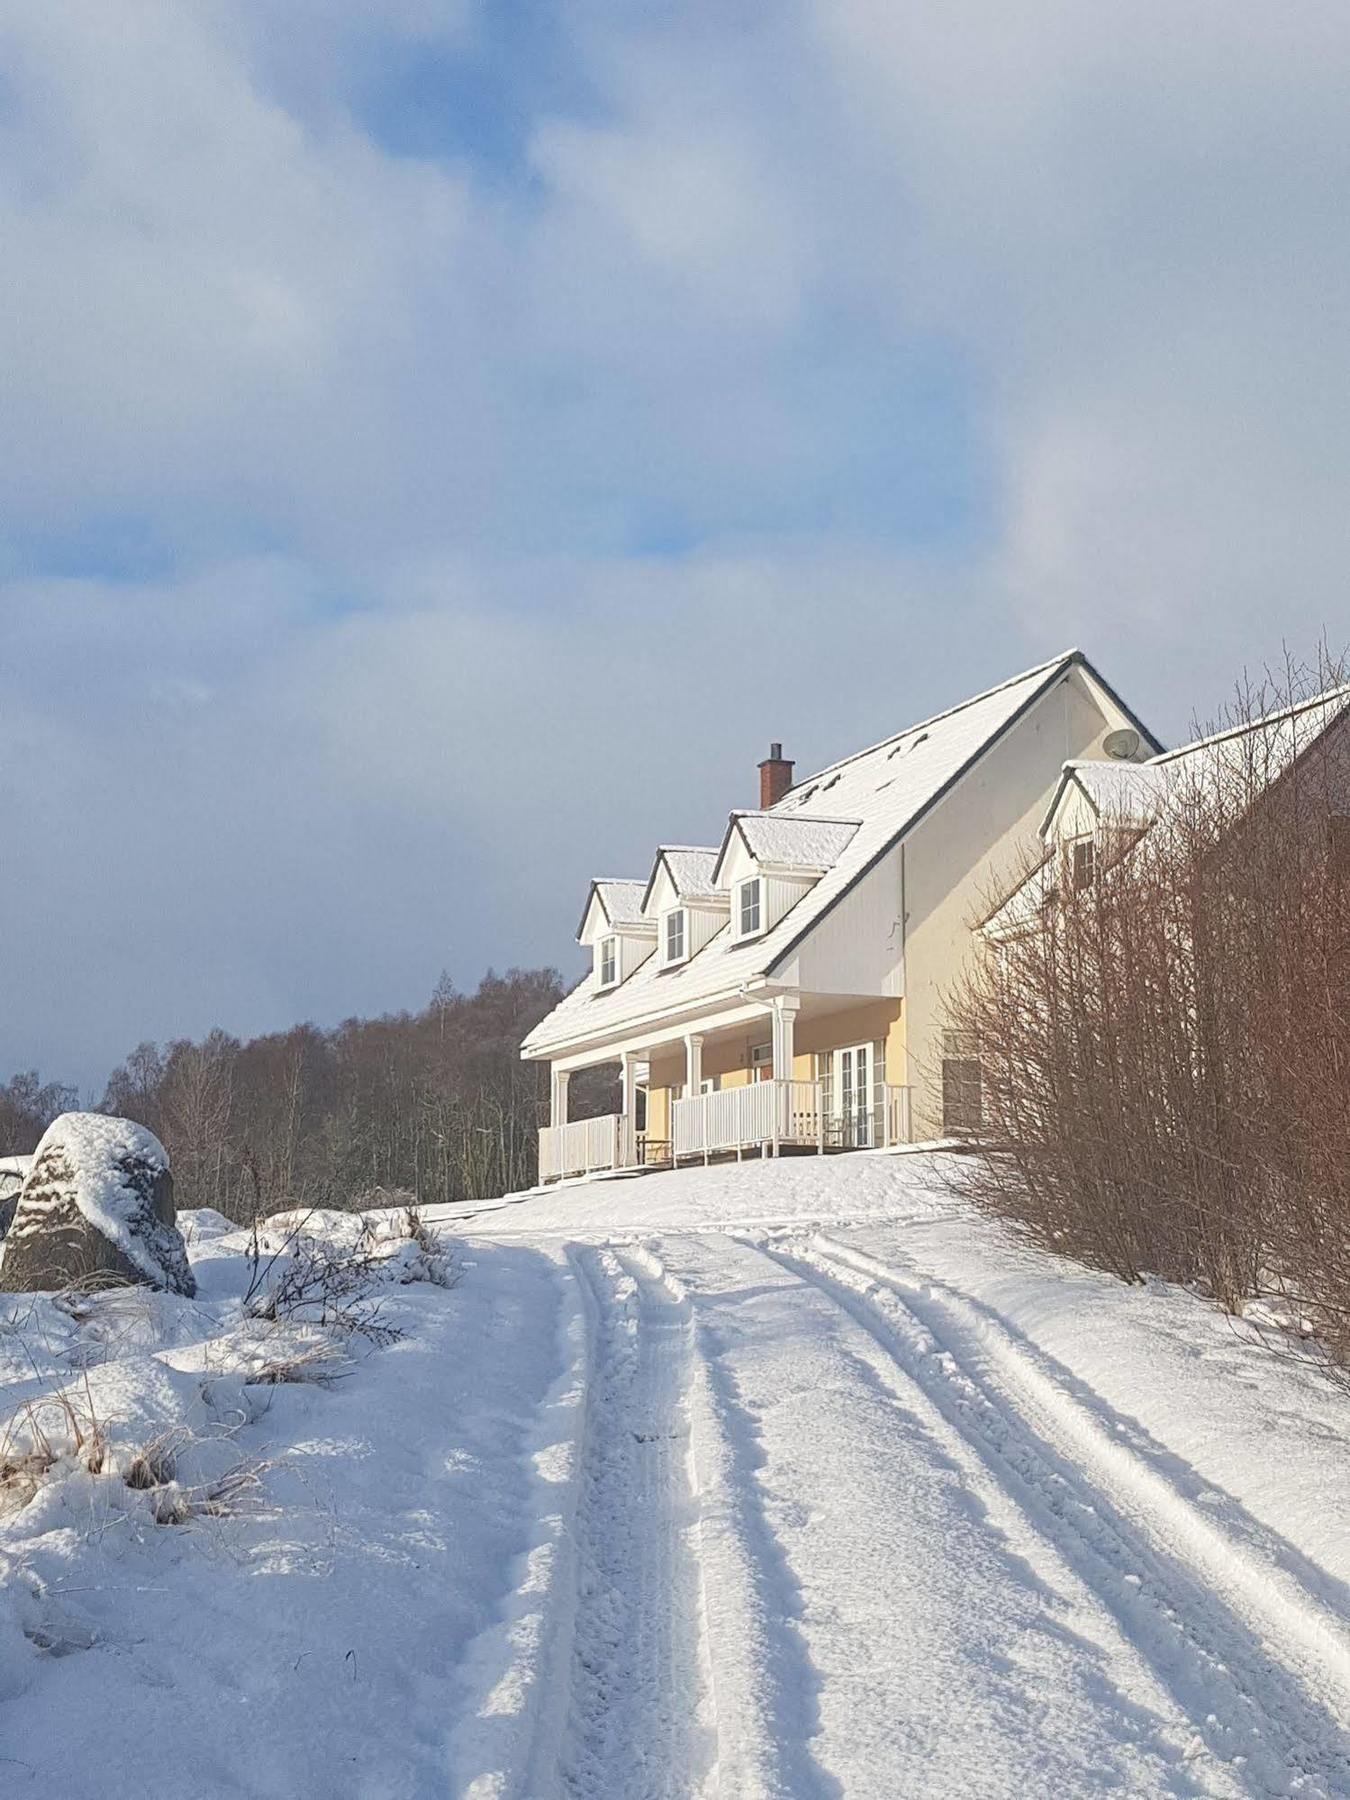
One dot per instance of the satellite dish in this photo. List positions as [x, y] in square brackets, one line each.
[1121, 744]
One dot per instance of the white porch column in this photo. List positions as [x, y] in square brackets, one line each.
[628, 1105]
[693, 1063]
[557, 1111]
[785, 1009]
[784, 1030]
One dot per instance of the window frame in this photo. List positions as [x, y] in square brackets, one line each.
[669, 960]
[742, 888]
[608, 947]
[1082, 864]
[963, 1111]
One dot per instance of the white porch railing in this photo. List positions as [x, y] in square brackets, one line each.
[763, 1115]
[886, 1121]
[744, 1118]
[581, 1147]
[774, 1113]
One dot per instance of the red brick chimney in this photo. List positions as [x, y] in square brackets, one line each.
[775, 778]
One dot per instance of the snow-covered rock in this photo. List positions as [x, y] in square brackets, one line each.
[96, 1207]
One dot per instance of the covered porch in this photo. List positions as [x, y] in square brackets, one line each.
[786, 1074]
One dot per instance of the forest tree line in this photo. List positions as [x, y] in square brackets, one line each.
[436, 1103]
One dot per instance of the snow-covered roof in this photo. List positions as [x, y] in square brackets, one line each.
[620, 901]
[691, 870]
[798, 841]
[1023, 905]
[1125, 790]
[887, 789]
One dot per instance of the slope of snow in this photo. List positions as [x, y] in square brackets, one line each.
[778, 1480]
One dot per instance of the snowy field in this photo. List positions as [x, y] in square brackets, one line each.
[787, 1479]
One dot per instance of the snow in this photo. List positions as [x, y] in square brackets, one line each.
[800, 842]
[779, 1479]
[692, 870]
[621, 899]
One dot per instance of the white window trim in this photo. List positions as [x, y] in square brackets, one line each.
[610, 943]
[743, 932]
[681, 913]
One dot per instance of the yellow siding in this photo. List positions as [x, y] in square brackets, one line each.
[658, 1113]
[858, 1025]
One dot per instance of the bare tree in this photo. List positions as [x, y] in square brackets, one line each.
[1162, 1030]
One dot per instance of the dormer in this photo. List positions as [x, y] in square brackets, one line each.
[684, 903]
[614, 930]
[1098, 809]
[769, 860]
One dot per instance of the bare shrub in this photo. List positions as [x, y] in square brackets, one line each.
[318, 1363]
[43, 1432]
[1163, 1048]
[238, 1490]
[155, 1464]
[434, 1262]
[315, 1281]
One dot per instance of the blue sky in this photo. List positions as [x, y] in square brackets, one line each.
[446, 442]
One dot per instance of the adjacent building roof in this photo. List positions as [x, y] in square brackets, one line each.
[887, 790]
[1131, 794]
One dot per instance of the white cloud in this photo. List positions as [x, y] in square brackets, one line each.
[730, 294]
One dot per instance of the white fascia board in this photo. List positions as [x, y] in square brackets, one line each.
[670, 1031]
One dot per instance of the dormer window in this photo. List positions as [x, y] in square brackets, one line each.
[1083, 868]
[749, 907]
[609, 961]
[674, 938]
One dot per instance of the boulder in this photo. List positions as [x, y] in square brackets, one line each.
[96, 1209]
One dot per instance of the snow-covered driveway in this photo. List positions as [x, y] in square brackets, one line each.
[854, 1498]
[791, 1480]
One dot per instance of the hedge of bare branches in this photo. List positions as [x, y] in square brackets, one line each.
[1165, 1049]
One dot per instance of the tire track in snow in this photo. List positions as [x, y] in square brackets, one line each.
[761, 1675]
[1258, 1672]
[1305, 1606]
[639, 1712]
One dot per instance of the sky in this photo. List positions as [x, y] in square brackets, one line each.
[445, 442]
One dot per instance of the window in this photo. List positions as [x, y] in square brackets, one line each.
[609, 961]
[1084, 870]
[962, 1085]
[749, 908]
[761, 1062]
[675, 935]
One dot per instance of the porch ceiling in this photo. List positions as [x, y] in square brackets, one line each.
[722, 1023]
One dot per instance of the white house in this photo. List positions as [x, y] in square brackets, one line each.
[783, 989]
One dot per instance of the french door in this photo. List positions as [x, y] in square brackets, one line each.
[854, 1076]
